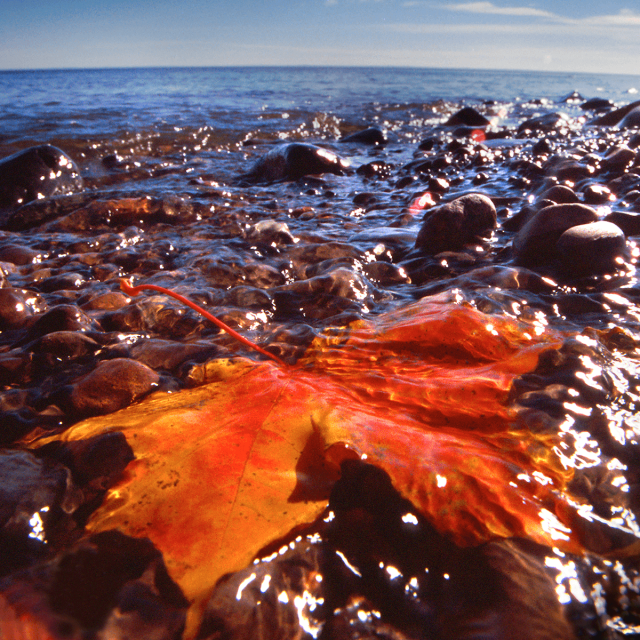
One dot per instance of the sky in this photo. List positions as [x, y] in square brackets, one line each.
[549, 35]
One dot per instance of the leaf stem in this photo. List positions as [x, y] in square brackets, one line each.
[134, 291]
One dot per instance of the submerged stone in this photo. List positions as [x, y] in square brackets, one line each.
[37, 173]
[294, 161]
[372, 135]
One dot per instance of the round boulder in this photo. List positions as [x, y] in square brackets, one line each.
[535, 243]
[372, 135]
[37, 173]
[457, 223]
[591, 249]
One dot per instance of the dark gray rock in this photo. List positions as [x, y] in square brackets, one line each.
[372, 135]
[457, 223]
[37, 173]
[614, 117]
[294, 161]
[468, 117]
[543, 124]
[596, 104]
[631, 120]
[535, 243]
[590, 249]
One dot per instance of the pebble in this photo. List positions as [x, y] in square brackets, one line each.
[468, 116]
[457, 223]
[589, 249]
[17, 305]
[535, 243]
[112, 385]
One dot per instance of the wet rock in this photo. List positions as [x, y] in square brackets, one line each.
[106, 586]
[65, 344]
[19, 254]
[294, 161]
[36, 173]
[596, 194]
[592, 248]
[631, 119]
[628, 222]
[560, 194]
[535, 243]
[372, 136]
[614, 117]
[249, 604]
[33, 494]
[18, 305]
[270, 232]
[64, 317]
[113, 384]
[457, 223]
[63, 281]
[543, 124]
[596, 104]
[468, 116]
[618, 158]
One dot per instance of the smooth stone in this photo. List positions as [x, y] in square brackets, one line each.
[592, 248]
[560, 194]
[112, 385]
[372, 135]
[17, 306]
[618, 158]
[294, 161]
[631, 120]
[574, 96]
[614, 117]
[469, 117]
[628, 222]
[65, 344]
[597, 194]
[37, 173]
[596, 104]
[63, 317]
[457, 223]
[535, 243]
[543, 124]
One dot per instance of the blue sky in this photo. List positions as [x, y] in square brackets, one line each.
[567, 35]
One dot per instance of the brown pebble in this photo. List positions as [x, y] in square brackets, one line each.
[113, 384]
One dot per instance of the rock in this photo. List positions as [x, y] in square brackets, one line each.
[628, 222]
[294, 161]
[33, 493]
[573, 97]
[270, 232]
[618, 158]
[106, 586]
[535, 243]
[372, 135]
[590, 249]
[65, 344]
[468, 116]
[457, 223]
[597, 194]
[543, 124]
[63, 317]
[614, 117]
[113, 384]
[631, 120]
[596, 104]
[16, 306]
[560, 194]
[37, 173]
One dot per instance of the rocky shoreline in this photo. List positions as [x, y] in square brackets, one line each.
[536, 220]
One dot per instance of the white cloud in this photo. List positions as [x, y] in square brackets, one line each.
[626, 18]
[489, 7]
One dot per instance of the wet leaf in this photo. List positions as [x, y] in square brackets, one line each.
[222, 470]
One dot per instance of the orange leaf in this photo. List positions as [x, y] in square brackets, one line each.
[224, 469]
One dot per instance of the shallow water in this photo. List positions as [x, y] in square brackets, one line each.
[161, 152]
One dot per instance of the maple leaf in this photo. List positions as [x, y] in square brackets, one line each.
[224, 469]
